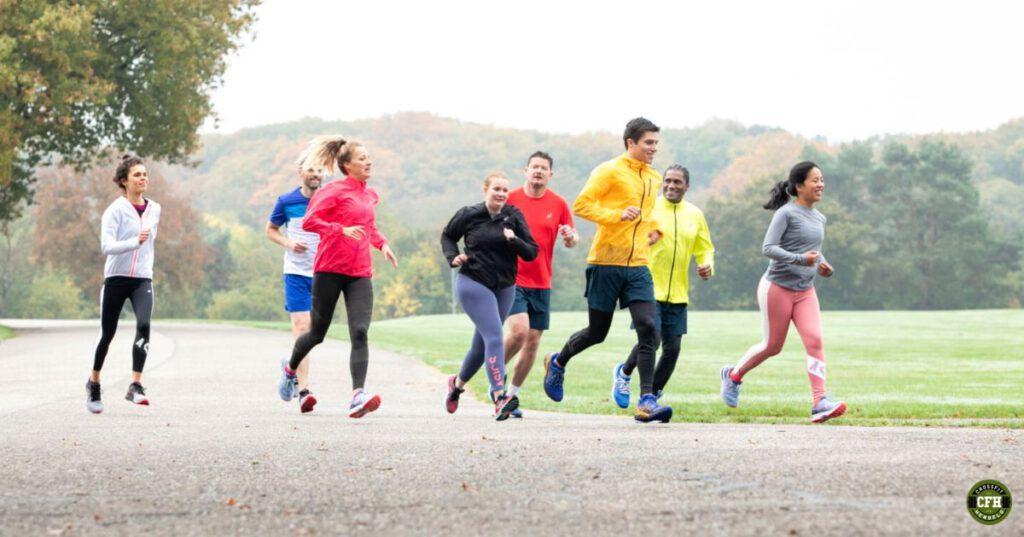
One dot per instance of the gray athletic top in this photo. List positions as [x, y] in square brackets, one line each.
[794, 231]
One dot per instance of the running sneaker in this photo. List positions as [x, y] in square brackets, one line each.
[137, 394]
[648, 410]
[517, 413]
[826, 410]
[451, 401]
[554, 376]
[362, 404]
[504, 406]
[306, 401]
[92, 397]
[620, 387]
[730, 388]
[287, 385]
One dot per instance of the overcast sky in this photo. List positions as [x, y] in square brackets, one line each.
[842, 69]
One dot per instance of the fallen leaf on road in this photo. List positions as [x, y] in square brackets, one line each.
[231, 501]
[467, 487]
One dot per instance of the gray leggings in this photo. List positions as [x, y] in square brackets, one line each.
[488, 310]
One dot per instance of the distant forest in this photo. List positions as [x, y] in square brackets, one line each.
[915, 222]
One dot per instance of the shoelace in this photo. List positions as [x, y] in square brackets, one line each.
[621, 385]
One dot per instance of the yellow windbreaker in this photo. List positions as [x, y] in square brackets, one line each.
[685, 235]
[613, 186]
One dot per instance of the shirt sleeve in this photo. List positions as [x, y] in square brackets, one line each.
[703, 249]
[587, 204]
[108, 236]
[773, 237]
[277, 216]
[566, 219]
[377, 239]
[451, 235]
[317, 213]
[523, 244]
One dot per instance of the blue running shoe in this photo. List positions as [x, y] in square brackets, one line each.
[648, 410]
[620, 387]
[286, 386]
[517, 413]
[730, 388]
[554, 376]
[826, 410]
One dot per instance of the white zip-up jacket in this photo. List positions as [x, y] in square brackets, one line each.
[119, 239]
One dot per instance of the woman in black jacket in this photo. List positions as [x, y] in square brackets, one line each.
[495, 234]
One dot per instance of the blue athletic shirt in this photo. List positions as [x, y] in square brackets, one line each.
[289, 211]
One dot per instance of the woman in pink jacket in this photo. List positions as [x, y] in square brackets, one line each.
[343, 213]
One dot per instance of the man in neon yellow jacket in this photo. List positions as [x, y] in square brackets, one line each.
[685, 236]
[619, 197]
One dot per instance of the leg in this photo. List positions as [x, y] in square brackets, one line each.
[142, 305]
[473, 361]
[300, 325]
[359, 306]
[670, 345]
[483, 308]
[647, 338]
[518, 328]
[807, 318]
[527, 357]
[594, 333]
[326, 289]
[111, 301]
[776, 311]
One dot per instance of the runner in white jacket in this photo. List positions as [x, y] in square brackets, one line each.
[128, 231]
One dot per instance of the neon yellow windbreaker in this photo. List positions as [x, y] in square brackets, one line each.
[613, 186]
[685, 234]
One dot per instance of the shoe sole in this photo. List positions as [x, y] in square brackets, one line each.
[615, 377]
[650, 419]
[144, 402]
[836, 412]
[721, 392]
[308, 404]
[506, 410]
[91, 411]
[370, 405]
[547, 369]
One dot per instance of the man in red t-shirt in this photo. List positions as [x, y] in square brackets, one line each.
[549, 218]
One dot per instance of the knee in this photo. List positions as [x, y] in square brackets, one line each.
[359, 334]
[142, 328]
[814, 346]
[532, 339]
[645, 330]
[518, 334]
[315, 337]
[773, 348]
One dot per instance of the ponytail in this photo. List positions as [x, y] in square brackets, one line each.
[329, 151]
[782, 190]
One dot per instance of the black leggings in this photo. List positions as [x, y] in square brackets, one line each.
[116, 290]
[327, 287]
[670, 346]
[595, 332]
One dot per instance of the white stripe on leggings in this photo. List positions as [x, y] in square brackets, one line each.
[762, 303]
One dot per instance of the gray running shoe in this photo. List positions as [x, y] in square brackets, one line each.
[287, 386]
[730, 389]
[137, 394]
[92, 397]
[827, 409]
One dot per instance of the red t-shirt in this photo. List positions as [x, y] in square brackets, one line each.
[543, 215]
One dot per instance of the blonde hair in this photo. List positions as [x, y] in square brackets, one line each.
[328, 151]
[493, 175]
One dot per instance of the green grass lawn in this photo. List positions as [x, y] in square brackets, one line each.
[5, 332]
[892, 368]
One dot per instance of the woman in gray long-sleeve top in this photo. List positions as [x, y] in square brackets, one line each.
[786, 292]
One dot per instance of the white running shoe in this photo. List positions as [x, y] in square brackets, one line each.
[826, 410]
[362, 403]
[92, 397]
[137, 394]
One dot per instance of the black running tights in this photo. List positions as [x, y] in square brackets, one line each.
[597, 330]
[116, 290]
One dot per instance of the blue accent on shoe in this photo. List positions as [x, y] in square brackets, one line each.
[620, 387]
[730, 389]
[517, 413]
[286, 386]
[648, 410]
[554, 376]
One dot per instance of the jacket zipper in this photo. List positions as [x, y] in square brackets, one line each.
[675, 246]
[643, 196]
[135, 257]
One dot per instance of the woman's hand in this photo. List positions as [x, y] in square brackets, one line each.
[389, 255]
[825, 269]
[354, 232]
[509, 234]
[810, 258]
[460, 260]
[144, 236]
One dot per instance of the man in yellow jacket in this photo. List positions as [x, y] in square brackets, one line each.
[619, 197]
[686, 236]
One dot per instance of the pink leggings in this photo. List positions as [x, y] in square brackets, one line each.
[779, 306]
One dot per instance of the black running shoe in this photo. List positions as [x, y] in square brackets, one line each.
[137, 394]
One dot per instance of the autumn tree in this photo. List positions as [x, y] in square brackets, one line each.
[76, 77]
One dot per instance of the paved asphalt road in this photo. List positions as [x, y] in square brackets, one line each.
[219, 453]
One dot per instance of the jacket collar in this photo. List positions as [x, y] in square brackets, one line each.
[352, 182]
[633, 163]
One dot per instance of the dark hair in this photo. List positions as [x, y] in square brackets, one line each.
[636, 128]
[543, 155]
[121, 174]
[784, 189]
[679, 168]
